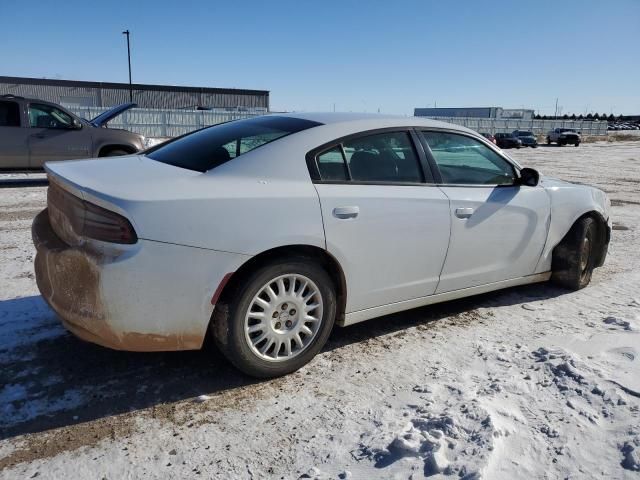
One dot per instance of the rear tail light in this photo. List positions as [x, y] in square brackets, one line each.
[87, 219]
[107, 226]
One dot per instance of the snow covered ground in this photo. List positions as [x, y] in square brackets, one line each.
[531, 382]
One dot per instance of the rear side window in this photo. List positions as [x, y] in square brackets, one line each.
[332, 165]
[9, 114]
[382, 157]
[211, 147]
[464, 160]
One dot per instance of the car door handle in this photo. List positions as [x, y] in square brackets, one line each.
[464, 212]
[346, 212]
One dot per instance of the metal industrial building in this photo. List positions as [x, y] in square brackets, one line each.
[74, 93]
[476, 112]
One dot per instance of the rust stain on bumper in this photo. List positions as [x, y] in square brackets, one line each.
[68, 278]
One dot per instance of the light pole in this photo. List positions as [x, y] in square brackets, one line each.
[126, 32]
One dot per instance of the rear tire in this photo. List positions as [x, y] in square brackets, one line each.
[265, 330]
[115, 153]
[576, 144]
[548, 141]
[575, 256]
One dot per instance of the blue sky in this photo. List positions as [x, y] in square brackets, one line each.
[390, 56]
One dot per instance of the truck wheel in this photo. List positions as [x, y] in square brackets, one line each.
[574, 257]
[115, 153]
[278, 320]
[548, 141]
[576, 144]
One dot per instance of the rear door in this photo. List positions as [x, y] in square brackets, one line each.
[498, 228]
[55, 136]
[14, 147]
[385, 221]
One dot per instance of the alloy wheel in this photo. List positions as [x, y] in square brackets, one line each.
[283, 317]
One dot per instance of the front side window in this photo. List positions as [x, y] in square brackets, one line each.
[9, 114]
[464, 160]
[46, 116]
[211, 147]
[381, 157]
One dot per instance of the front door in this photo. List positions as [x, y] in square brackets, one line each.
[384, 223]
[53, 135]
[498, 228]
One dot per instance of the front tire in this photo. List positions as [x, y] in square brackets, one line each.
[574, 258]
[278, 320]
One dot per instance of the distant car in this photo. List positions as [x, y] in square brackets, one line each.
[507, 140]
[564, 136]
[266, 231]
[35, 131]
[489, 137]
[527, 138]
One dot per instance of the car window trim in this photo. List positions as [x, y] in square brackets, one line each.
[314, 171]
[484, 141]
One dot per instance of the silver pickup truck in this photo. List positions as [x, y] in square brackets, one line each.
[564, 136]
[35, 131]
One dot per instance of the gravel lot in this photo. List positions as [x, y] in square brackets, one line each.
[531, 382]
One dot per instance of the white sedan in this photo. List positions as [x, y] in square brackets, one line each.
[268, 231]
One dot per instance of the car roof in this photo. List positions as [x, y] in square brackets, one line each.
[12, 97]
[372, 120]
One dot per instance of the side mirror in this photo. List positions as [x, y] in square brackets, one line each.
[529, 177]
[76, 125]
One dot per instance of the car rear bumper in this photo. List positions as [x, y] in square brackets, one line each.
[151, 296]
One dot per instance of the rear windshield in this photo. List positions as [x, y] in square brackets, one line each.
[525, 134]
[210, 147]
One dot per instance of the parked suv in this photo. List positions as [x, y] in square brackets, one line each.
[34, 131]
[564, 136]
[527, 138]
[507, 140]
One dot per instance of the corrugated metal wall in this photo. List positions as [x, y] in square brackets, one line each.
[109, 94]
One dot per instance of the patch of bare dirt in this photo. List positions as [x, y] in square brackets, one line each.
[22, 214]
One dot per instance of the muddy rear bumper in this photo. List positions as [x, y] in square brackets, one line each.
[150, 297]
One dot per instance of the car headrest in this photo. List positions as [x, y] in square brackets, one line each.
[43, 121]
[369, 166]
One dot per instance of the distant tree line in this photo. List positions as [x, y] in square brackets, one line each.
[595, 116]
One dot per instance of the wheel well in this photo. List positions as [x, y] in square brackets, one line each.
[110, 148]
[601, 223]
[315, 254]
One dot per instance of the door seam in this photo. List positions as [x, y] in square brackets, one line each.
[324, 231]
[446, 255]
